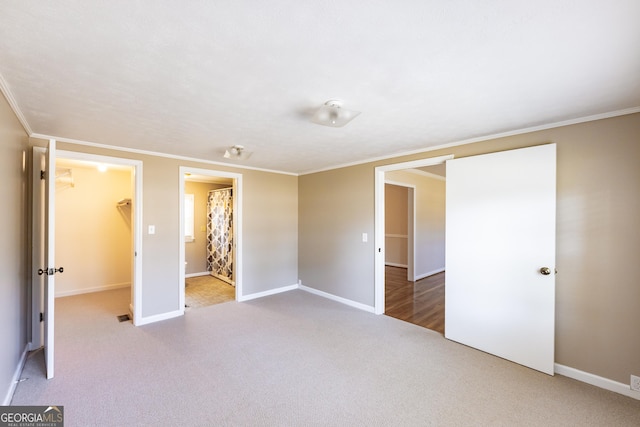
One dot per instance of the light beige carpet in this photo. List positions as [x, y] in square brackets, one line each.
[293, 359]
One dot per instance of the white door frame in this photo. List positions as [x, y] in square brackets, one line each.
[411, 227]
[50, 268]
[136, 210]
[237, 226]
[379, 285]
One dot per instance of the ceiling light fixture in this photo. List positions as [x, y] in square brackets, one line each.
[237, 152]
[332, 114]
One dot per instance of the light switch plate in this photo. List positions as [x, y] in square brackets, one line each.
[152, 229]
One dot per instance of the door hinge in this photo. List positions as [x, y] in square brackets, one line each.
[42, 317]
[43, 174]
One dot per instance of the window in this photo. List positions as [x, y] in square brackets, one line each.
[188, 218]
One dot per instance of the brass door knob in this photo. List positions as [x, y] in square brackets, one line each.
[545, 271]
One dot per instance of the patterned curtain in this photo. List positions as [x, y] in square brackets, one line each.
[220, 234]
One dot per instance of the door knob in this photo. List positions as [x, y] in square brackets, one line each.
[545, 271]
[50, 271]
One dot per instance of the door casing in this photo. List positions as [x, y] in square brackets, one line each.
[379, 262]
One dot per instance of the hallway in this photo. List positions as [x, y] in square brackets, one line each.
[420, 302]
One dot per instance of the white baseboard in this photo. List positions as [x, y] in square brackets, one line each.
[395, 264]
[242, 298]
[158, 317]
[205, 273]
[597, 381]
[94, 289]
[300, 286]
[429, 273]
[16, 377]
[345, 301]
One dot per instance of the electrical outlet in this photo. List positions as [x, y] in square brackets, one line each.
[635, 383]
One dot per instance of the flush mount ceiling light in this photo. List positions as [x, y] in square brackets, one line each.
[333, 114]
[237, 152]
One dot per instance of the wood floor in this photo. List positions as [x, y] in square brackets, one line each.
[420, 302]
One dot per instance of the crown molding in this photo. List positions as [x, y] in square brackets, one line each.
[4, 88]
[157, 154]
[522, 131]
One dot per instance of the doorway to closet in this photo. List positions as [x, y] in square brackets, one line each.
[81, 244]
[94, 227]
[210, 224]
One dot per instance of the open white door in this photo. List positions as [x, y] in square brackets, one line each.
[37, 249]
[49, 269]
[500, 254]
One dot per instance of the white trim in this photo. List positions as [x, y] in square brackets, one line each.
[159, 317]
[429, 161]
[237, 228]
[397, 236]
[419, 276]
[379, 180]
[267, 293]
[344, 301]
[429, 273]
[136, 210]
[97, 158]
[531, 129]
[411, 228]
[4, 88]
[379, 242]
[395, 264]
[157, 154]
[205, 273]
[16, 377]
[399, 184]
[427, 174]
[596, 380]
[94, 289]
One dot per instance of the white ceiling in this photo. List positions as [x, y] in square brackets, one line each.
[193, 78]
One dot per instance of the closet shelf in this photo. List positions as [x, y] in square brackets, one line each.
[64, 178]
